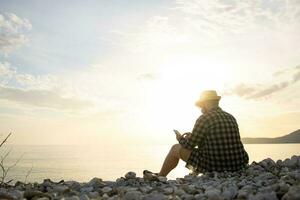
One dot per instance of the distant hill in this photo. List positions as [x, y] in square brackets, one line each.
[293, 137]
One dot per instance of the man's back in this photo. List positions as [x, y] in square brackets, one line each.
[220, 148]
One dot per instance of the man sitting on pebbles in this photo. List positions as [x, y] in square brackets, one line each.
[213, 145]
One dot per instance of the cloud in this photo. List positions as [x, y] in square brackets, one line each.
[259, 91]
[221, 17]
[6, 73]
[241, 90]
[12, 30]
[268, 90]
[37, 90]
[43, 82]
[42, 98]
[148, 76]
[280, 72]
[296, 76]
[157, 33]
[192, 24]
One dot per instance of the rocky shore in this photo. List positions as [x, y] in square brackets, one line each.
[264, 180]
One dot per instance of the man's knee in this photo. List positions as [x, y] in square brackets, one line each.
[175, 149]
[184, 153]
[181, 152]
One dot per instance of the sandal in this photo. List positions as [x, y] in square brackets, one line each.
[148, 175]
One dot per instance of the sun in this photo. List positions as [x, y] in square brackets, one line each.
[181, 81]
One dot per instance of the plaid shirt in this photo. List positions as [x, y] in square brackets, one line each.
[216, 134]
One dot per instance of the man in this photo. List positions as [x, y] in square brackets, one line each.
[213, 145]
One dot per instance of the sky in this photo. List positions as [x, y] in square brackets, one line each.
[128, 73]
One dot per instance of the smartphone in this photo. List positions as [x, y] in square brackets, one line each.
[176, 132]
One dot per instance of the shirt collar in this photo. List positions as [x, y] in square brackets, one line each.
[215, 108]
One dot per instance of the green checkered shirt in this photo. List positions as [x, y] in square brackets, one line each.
[219, 147]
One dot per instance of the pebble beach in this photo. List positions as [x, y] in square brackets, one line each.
[264, 180]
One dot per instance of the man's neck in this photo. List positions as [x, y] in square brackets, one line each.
[209, 108]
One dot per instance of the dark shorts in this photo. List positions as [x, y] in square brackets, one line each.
[197, 163]
[194, 161]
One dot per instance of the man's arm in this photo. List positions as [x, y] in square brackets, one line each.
[196, 136]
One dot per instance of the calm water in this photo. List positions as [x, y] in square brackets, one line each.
[82, 163]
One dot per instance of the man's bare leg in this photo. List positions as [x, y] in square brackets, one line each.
[171, 161]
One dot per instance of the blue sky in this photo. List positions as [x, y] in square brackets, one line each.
[67, 36]
[90, 68]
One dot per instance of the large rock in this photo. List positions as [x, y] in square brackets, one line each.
[293, 193]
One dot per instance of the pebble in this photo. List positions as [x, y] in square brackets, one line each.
[71, 198]
[84, 197]
[168, 190]
[155, 196]
[96, 183]
[162, 179]
[106, 189]
[264, 180]
[130, 175]
[293, 193]
[87, 189]
[213, 194]
[133, 195]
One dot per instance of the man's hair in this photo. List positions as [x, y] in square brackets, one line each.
[213, 103]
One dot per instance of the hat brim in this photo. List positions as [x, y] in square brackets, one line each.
[201, 101]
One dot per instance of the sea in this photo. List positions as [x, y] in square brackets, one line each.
[34, 163]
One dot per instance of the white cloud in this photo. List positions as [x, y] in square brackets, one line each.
[148, 76]
[45, 91]
[264, 90]
[12, 30]
[197, 24]
[234, 16]
[6, 73]
[42, 82]
[43, 98]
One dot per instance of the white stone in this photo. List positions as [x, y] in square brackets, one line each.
[168, 190]
[162, 179]
[129, 189]
[84, 197]
[263, 196]
[244, 192]
[155, 196]
[199, 196]
[71, 198]
[106, 189]
[229, 192]
[87, 189]
[179, 192]
[146, 189]
[93, 195]
[187, 197]
[133, 195]
[213, 194]
[59, 188]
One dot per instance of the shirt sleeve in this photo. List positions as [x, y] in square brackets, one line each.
[197, 134]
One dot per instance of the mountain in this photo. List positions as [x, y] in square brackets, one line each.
[293, 137]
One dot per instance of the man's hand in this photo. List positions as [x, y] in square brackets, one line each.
[187, 135]
[178, 136]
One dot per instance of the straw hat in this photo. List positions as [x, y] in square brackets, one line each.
[206, 96]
